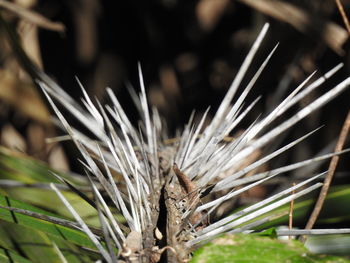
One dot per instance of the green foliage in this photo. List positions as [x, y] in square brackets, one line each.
[24, 237]
[28, 239]
[336, 209]
[22, 169]
[9, 256]
[74, 236]
[38, 246]
[250, 248]
[270, 232]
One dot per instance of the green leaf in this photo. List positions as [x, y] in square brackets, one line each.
[254, 249]
[74, 236]
[271, 232]
[47, 199]
[9, 256]
[21, 168]
[39, 247]
[336, 209]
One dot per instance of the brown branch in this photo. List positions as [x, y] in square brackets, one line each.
[32, 16]
[291, 210]
[327, 182]
[343, 15]
[332, 34]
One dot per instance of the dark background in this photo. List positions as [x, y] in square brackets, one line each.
[189, 52]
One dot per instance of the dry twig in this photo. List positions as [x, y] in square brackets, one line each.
[343, 14]
[32, 16]
[332, 34]
[291, 209]
[327, 182]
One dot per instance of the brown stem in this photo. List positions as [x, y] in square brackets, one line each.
[327, 182]
[343, 15]
[291, 209]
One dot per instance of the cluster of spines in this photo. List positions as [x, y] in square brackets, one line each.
[200, 153]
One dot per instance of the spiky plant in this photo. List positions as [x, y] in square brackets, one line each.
[160, 186]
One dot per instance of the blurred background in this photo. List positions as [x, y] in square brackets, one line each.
[189, 52]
